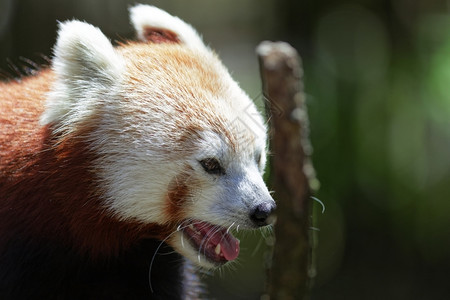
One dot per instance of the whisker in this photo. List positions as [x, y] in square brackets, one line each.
[258, 245]
[263, 232]
[179, 228]
[153, 259]
[210, 233]
[320, 202]
[228, 230]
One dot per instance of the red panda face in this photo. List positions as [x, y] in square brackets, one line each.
[177, 142]
[225, 191]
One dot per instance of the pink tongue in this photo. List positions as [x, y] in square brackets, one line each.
[229, 247]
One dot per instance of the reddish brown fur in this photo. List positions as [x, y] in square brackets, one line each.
[21, 104]
[198, 76]
[48, 188]
[178, 193]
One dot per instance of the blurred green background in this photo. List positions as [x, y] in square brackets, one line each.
[377, 78]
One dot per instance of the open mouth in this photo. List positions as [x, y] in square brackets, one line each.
[212, 241]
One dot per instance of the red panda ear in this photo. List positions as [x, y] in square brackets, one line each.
[157, 26]
[159, 35]
[84, 61]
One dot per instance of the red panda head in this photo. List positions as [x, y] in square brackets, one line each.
[177, 142]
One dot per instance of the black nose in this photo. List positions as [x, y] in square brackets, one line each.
[261, 213]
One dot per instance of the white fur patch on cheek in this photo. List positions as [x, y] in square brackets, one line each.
[137, 190]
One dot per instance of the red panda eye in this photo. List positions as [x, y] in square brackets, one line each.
[212, 166]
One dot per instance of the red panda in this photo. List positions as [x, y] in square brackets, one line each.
[124, 168]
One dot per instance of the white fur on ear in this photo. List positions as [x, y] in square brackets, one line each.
[147, 16]
[85, 62]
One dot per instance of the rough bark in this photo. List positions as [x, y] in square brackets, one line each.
[292, 173]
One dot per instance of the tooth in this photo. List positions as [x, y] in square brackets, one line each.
[217, 250]
[191, 226]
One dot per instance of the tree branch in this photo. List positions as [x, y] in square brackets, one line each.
[292, 173]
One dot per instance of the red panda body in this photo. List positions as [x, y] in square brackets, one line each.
[118, 155]
[47, 197]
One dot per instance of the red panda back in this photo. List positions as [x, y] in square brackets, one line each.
[21, 105]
